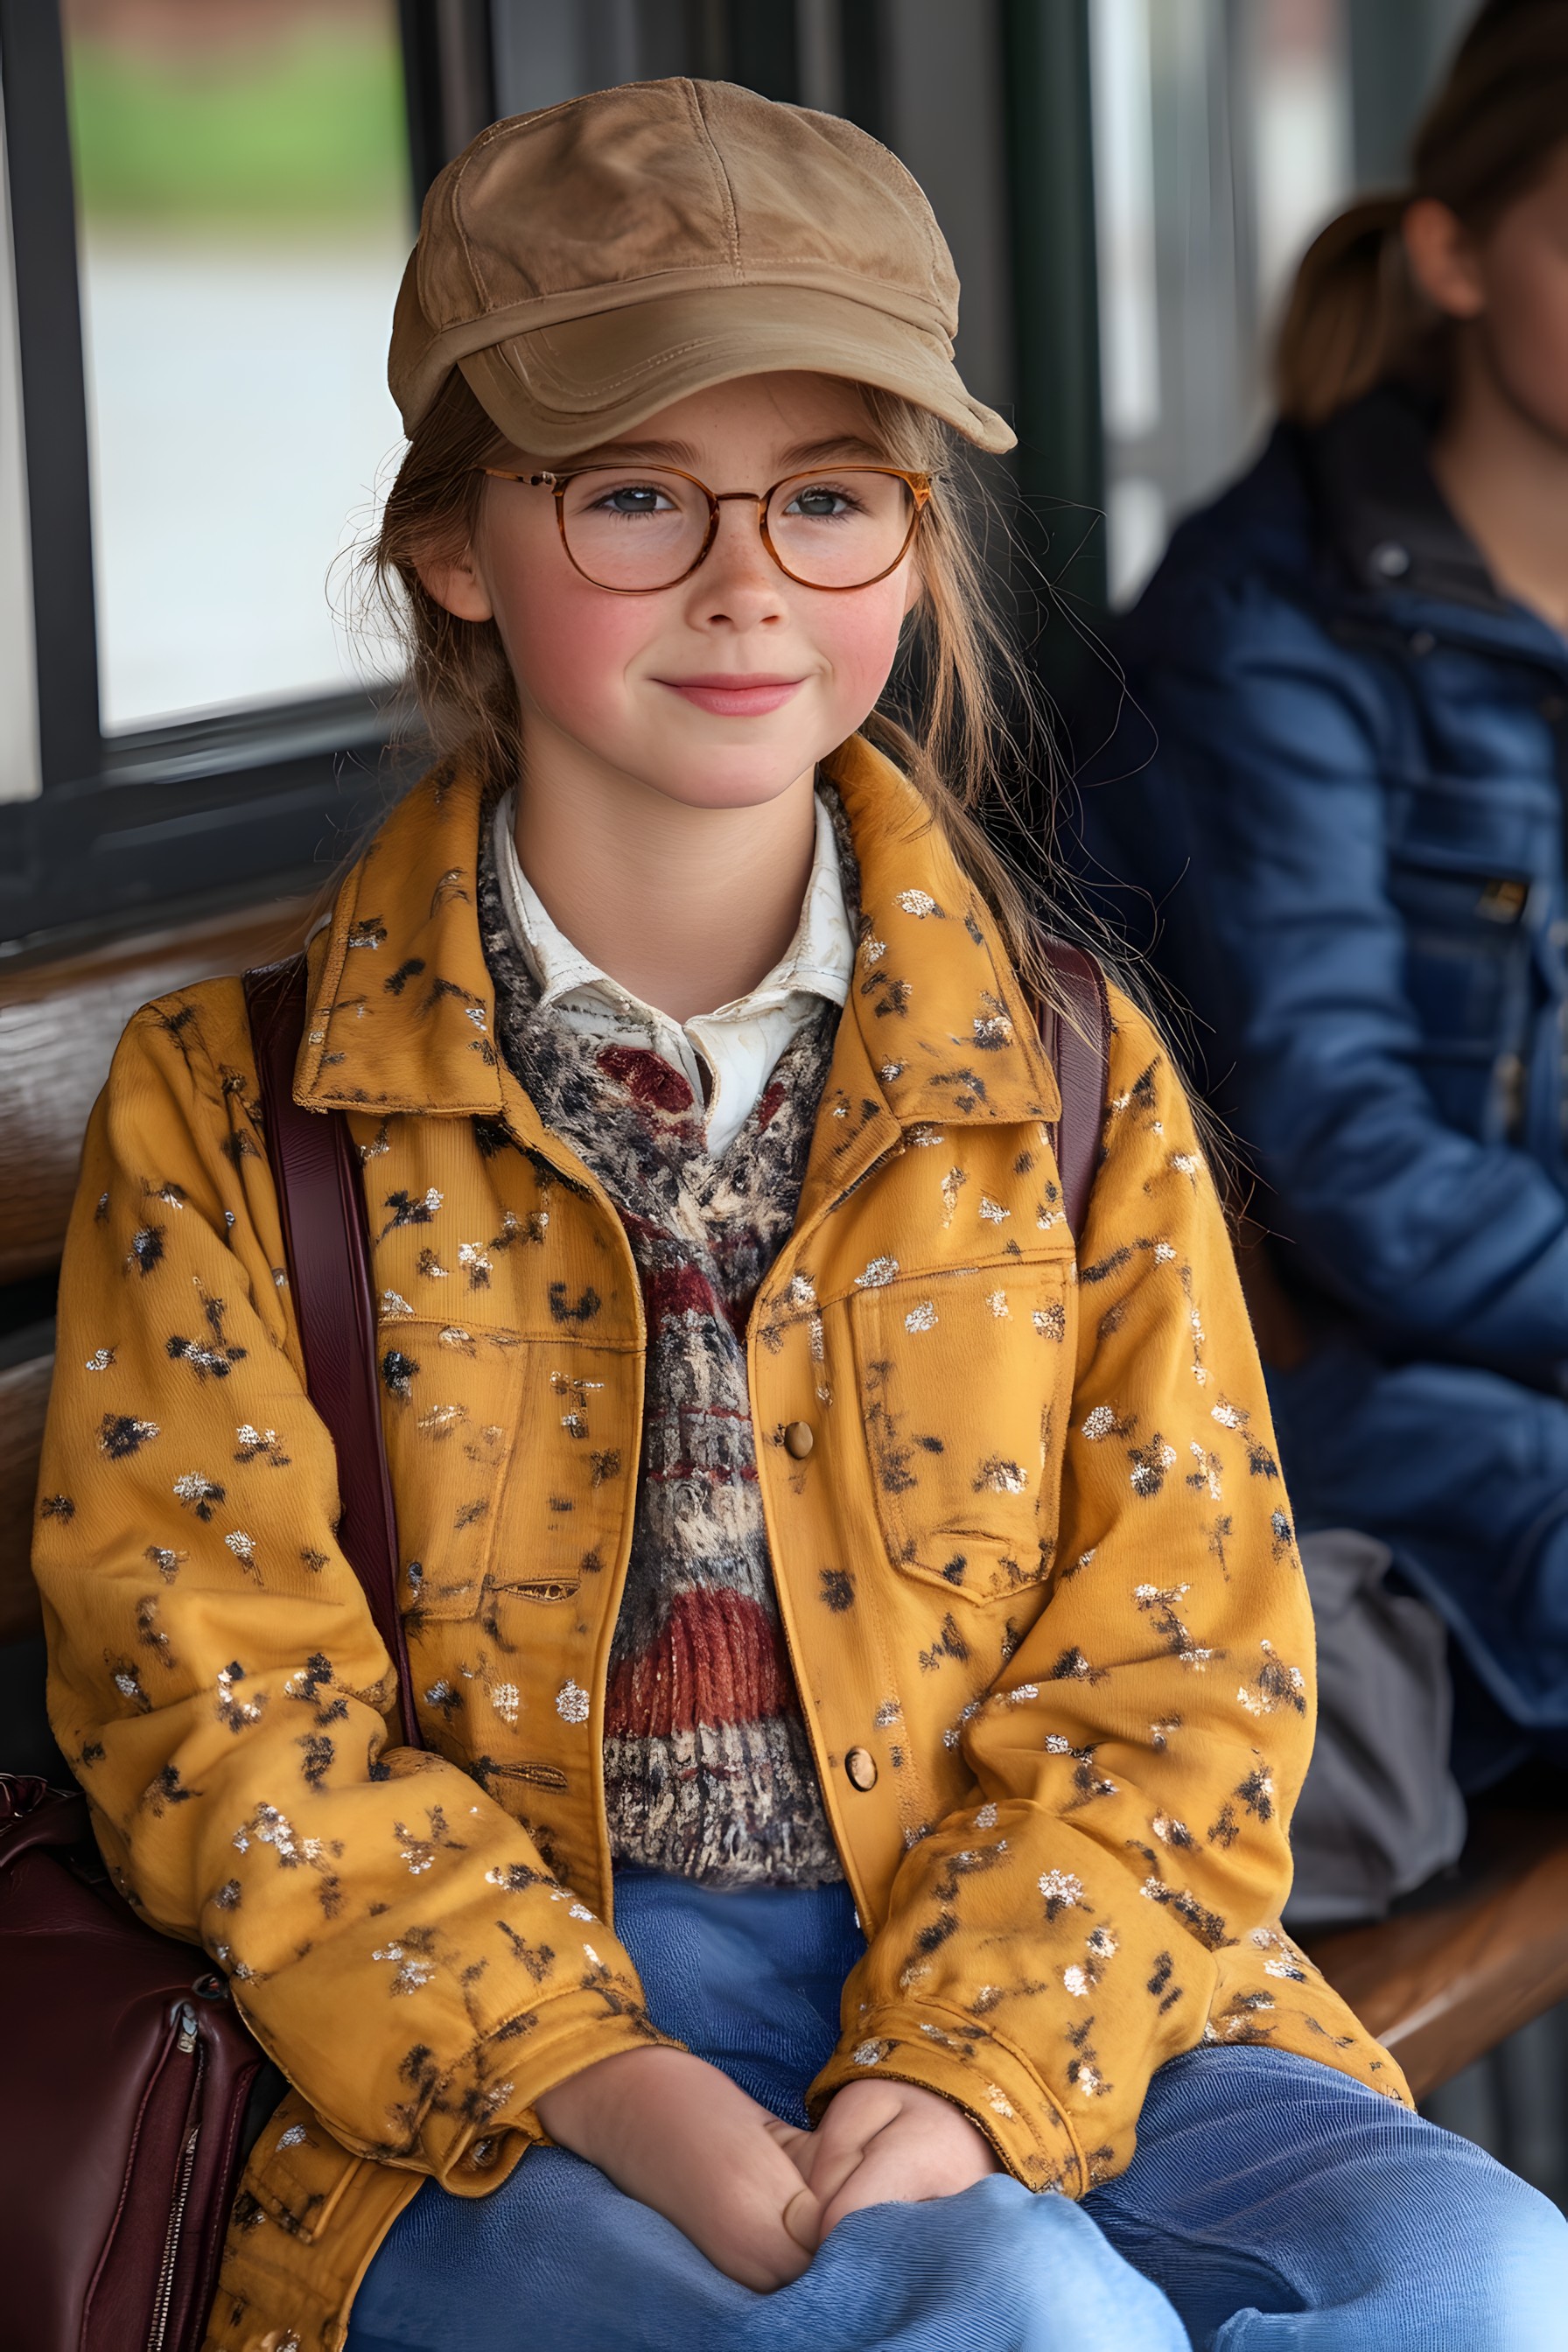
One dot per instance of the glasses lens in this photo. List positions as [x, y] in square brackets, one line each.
[840, 529]
[630, 528]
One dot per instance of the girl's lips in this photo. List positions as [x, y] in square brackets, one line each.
[735, 697]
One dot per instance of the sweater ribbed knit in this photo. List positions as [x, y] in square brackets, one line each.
[707, 1768]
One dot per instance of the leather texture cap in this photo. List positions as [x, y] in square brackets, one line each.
[588, 264]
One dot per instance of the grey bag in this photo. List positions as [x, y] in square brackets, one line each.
[1381, 1811]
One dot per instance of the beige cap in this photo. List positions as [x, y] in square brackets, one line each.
[588, 264]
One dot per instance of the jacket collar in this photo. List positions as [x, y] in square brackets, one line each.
[1388, 521]
[403, 1009]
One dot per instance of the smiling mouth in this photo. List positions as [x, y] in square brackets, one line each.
[734, 698]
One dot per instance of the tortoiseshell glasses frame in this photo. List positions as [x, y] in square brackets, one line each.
[917, 485]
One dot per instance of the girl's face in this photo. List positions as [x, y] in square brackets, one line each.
[1511, 287]
[724, 690]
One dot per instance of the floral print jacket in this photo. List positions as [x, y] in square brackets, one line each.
[1036, 1566]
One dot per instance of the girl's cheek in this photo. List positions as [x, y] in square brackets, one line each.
[1528, 307]
[1531, 345]
[568, 642]
[861, 641]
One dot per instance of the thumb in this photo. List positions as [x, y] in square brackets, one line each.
[803, 2220]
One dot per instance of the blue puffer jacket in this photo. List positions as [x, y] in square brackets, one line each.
[1353, 829]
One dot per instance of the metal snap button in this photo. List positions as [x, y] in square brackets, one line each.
[861, 1767]
[1389, 560]
[799, 1438]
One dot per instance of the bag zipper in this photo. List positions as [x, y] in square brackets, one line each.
[188, 2043]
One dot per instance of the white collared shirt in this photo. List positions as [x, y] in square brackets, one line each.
[740, 1043]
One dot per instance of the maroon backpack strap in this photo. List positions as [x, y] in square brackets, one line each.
[321, 1199]
[1077, 1038]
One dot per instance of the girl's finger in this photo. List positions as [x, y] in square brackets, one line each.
[803, 2220]
[887, 2174]
[832, 2164]
[800, 2147]
[862, 2189]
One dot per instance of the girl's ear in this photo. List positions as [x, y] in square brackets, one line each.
[914, 588]
[1444, 259]
[459, 586]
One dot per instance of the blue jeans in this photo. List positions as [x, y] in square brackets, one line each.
[1272, 2206]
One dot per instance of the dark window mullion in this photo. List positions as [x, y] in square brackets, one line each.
[864, 45]
[449, 79]
[1061, 461]
[54, 392]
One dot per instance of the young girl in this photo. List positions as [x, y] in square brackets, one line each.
[855, 1620]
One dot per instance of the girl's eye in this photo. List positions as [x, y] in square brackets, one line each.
[822, 502]
[634, 498]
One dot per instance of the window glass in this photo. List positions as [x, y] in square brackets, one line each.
[1224, 137]
[1222, 145]
[244, 215]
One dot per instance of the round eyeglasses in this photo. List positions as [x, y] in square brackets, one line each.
[636, 529]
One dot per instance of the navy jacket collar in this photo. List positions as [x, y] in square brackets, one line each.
[1386, 532]
[1388, 520]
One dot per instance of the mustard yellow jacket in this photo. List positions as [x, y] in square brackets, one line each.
[1065, 1828]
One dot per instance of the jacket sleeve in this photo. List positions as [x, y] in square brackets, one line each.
[390, 1933]
[1135, 1765]
[1284, 934]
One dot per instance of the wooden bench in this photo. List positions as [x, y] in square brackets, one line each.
[1469, 1961]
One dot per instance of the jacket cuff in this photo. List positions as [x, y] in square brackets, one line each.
[936, 2050]
[482, 2120]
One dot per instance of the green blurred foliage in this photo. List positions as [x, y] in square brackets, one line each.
[307, 129]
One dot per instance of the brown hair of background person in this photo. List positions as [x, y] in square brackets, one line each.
[1356, 316]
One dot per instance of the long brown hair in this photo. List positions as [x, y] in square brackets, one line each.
[1355, 316]
[958, 702]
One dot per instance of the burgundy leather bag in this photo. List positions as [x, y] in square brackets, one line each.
[124, 2095]
[1075, 1036]
[129, 2091]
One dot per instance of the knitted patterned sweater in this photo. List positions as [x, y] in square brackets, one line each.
[708, 1769]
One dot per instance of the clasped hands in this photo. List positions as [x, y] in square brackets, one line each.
[751, 2192]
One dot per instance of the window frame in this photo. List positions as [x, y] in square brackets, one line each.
[275, 793]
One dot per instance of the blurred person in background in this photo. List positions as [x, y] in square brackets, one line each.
[1352, 672]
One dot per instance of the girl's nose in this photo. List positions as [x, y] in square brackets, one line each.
[739, 581]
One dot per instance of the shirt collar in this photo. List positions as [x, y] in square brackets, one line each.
[819, 960]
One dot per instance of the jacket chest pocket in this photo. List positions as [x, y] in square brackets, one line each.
[1468, 941]
[962, 1383]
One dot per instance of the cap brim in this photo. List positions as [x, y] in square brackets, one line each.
[560, 390]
